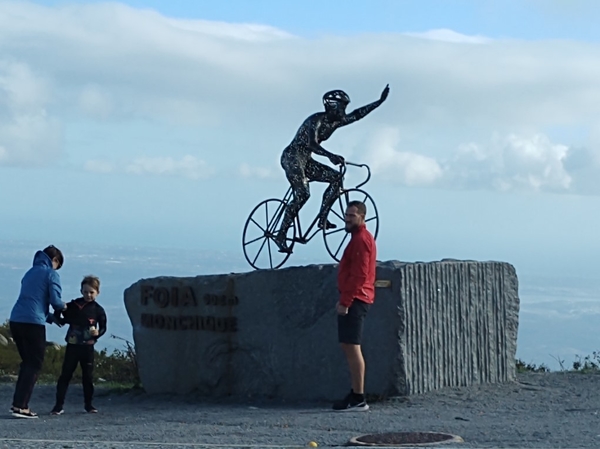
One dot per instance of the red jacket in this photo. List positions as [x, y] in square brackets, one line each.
[356, 275]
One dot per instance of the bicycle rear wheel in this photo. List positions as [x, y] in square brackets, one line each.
[260, 230]
[335, 238]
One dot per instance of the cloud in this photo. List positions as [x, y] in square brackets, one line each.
[243, 32]
[94, 102]
[188, 167]
[235, 87]
[446, 35]
[512, 162]
[29, 136]
[584, 166]
[248, 171]
[402, 167]
[98, 166]
[141, 64]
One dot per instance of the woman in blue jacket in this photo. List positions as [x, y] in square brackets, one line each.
[40, 288]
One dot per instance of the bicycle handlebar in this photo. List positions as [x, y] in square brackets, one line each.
[343, 168]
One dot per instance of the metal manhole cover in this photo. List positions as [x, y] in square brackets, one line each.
[399, 439]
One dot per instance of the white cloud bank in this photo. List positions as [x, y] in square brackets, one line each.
[512, 162]
[29, 136]
[240, 84]
[250, 171]
[452, 36]
[188, 166]
[403, 167]
[98, 166]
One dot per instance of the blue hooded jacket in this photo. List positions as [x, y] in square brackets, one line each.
[40, 288]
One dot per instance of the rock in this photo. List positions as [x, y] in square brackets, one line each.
[273, 333]
[3, 340]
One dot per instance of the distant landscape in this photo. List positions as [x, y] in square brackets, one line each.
[558, 315]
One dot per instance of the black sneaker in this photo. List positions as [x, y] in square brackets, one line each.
[91, 409]
[351, 403]
[23, 413]
[57, 410]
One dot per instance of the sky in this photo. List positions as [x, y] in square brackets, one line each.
[161, 123]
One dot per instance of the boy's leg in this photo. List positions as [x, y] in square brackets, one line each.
[68, 368]
[87, 375]
[30, 340]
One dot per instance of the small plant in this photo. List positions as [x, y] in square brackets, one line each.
[560, 361]
[589, 364]
[523, 367]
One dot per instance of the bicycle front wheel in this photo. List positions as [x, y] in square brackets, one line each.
[335, 239]
[260, 230]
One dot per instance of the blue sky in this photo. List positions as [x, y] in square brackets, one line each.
[520, 19]
[156, 123]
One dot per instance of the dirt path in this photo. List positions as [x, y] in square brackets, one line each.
[548, 410]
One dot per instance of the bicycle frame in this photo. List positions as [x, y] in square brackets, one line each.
[307, 237]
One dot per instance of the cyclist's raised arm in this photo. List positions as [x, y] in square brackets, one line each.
[361, 112]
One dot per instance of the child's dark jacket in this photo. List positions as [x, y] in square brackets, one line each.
[80, 316]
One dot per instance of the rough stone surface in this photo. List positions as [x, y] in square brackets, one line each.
[273, 334]
[460, 323]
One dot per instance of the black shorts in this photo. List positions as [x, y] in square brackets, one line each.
[350, 326]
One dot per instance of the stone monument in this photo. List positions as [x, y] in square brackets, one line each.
[273, 333]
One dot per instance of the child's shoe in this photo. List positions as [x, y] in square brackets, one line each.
[57, 410]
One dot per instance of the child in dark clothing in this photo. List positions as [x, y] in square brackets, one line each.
[87, 323]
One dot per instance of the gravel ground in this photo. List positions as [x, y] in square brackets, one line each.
[550, 410]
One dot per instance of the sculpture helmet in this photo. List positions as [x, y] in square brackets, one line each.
[335, 100]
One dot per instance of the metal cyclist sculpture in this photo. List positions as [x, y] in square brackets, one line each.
[300, 168]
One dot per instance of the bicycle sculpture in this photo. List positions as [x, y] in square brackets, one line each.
[279, 229]
[263, 225]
